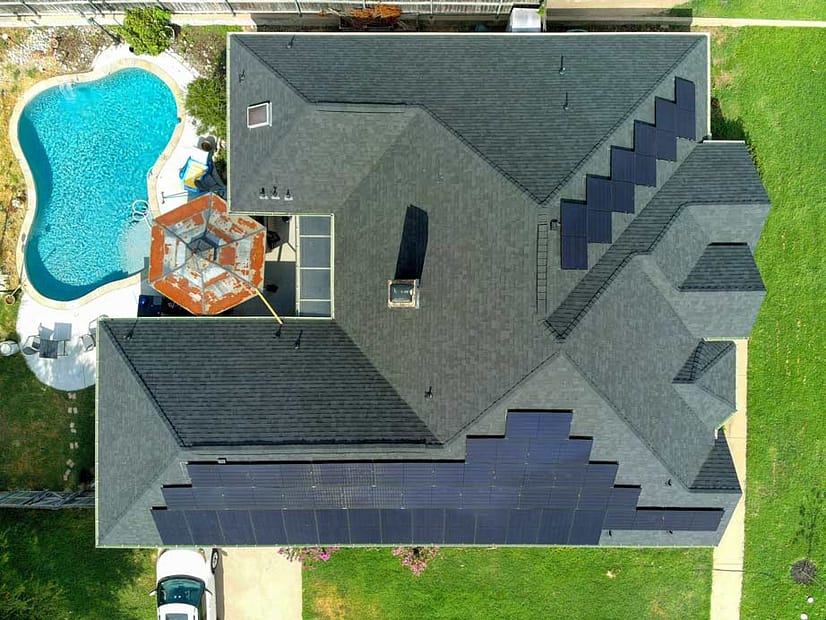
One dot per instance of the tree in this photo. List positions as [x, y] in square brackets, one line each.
[147, 30]
[206, 101]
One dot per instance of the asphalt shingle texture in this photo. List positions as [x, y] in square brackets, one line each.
[503, 96]
[233, 382]
[725, 267]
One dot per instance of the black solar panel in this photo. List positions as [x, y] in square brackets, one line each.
[574, 252]
[333, 528]
[428, 526]
[268, 526]
[512, 450]
[685, 124]
[204, 527]
[622, 164]
[684, 94]
[598, 193]
[236, 526]
[497, 495]
[535, 497]
[475, 497]
[448, 473]
[172, 527]
[523, 527]
[599, 226]
[664, 114]
[645, 139]
[555, 527]
[544, 451]
[365, 526]
[481, 450]
[179, 497]
[396, 527]
[666, 145]
[460, 527]
[573, 218]
[619, 519]
[300, 527]
[587, 527]
[491, 526]
[622, 196]
[646, 170]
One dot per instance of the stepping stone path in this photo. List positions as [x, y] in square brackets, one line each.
[73, 445]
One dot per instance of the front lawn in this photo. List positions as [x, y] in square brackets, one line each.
[513, 583]
[58, 548]
[759, 9]
[774, 82]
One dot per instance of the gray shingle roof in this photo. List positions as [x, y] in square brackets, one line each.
[704, 356]
[448, 125]
[714, 173]
[725, 267]
[235, 383]
[718, 472]
[503, 96]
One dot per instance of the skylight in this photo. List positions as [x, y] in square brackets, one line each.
[259, 115]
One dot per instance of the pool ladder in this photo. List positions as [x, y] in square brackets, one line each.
[140, 211]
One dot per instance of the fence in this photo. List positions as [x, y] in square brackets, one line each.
[92, 8]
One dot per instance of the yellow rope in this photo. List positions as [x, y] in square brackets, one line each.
[269, 307]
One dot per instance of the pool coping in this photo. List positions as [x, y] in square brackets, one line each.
[31, 192]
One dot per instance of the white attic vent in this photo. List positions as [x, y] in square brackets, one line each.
[259, 115]
[402, 293]
[525, 20]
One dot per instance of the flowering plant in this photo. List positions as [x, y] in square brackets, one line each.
[416, 558]
[308, 556]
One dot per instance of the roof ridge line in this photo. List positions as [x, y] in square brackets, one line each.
[141, 382]
[149, 488]
[622, 417]
[632, 110]
[716, 358]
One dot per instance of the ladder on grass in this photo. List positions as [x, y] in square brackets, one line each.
[47, 500]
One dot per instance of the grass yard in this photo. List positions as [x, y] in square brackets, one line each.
[774, 82]
[36, 437]
[505, 583]
[45, 547]
[759, 9]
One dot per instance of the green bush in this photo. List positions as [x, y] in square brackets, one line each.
[147, 30]
[206, 101]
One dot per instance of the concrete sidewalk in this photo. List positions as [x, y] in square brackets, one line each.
[727, 575]
[257, 583]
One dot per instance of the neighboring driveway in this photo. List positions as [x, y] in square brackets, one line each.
[257, 584]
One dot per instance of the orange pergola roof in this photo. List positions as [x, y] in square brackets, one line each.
[205, 259]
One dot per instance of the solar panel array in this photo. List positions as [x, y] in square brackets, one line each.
[315, 265]
[536, 485]
[629, 167]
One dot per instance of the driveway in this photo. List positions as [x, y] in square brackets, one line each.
[257, 583]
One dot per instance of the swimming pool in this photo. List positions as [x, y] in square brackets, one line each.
[89, 147]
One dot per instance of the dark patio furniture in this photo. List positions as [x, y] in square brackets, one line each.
[31, 346]
[88, 341]
[52, 349]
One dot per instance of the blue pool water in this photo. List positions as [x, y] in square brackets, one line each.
[89, 147]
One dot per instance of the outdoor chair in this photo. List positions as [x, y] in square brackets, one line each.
[31, 346]
[88, 342]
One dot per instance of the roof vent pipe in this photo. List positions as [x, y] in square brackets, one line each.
[562, 65]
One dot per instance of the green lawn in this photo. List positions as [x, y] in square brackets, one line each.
[44, 547]
[774, 81]
[505, 583]
[36, 425]
[759, 9]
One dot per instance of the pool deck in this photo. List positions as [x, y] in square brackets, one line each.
[77, 370]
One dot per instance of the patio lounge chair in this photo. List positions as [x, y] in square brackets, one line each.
[31, 346]
[88, 341]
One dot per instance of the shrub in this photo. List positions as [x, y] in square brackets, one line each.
[308, 556]
[416, 558]
[206, 101]
[147, 30]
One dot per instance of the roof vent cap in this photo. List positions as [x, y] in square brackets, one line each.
[402, 293]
